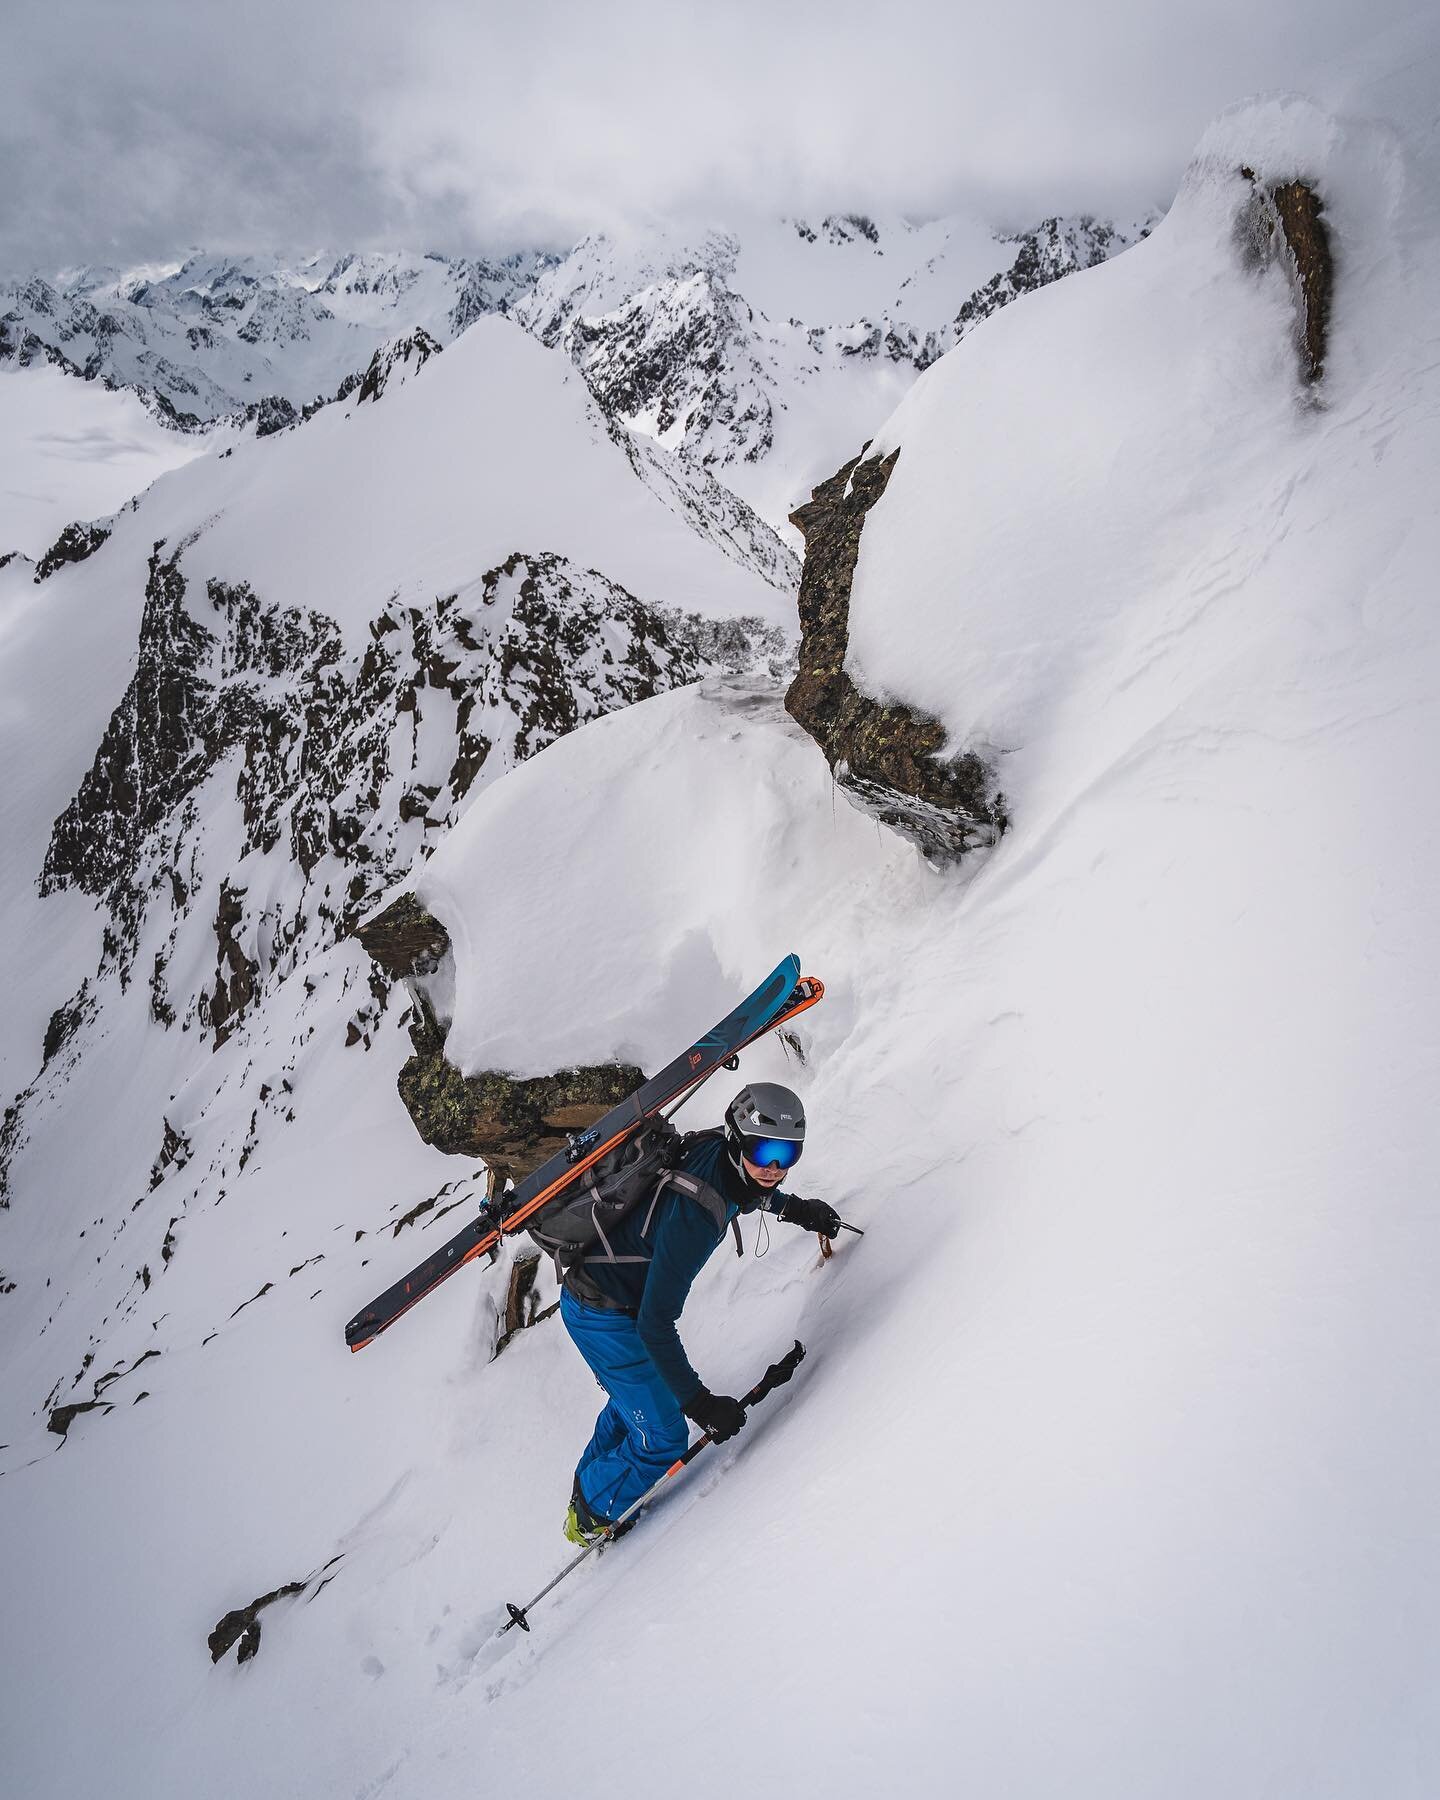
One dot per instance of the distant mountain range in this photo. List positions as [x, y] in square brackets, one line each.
[762, 351]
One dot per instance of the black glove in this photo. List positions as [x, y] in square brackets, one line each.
[812, 1215]
[717, 1414]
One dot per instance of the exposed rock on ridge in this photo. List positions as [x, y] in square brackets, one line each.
[889, 759]
[1286, 220]
[74, 544]
[349, 760]
[513, 1123]
[405, 357]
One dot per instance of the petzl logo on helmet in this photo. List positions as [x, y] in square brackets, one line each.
[695, 1059]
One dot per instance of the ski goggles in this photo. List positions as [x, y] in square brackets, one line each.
[772, 1153]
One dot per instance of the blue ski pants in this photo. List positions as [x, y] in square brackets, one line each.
[642, 1429]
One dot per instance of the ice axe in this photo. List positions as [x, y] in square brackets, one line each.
[775, 1376]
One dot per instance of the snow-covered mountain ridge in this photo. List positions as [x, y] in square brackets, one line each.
[336, 633]
[1112, 1467]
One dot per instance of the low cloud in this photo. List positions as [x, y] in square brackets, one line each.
[131, 132]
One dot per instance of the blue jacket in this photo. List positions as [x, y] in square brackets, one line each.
[676, 1237]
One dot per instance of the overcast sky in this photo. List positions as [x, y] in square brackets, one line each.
[133, 129]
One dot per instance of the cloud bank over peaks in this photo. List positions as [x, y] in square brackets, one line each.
[128, 133]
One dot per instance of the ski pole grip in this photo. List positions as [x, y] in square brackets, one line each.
[777, 1374]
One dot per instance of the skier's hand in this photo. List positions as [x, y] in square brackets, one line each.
[812, 1215]
[716, 1414]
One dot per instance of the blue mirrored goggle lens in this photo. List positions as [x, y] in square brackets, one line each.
[773, 1153]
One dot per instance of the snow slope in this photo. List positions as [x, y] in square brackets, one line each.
[72, 450]
[1113, 1466]
[492, 447]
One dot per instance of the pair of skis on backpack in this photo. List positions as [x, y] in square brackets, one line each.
[782, 996]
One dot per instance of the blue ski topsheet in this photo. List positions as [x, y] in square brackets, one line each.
[749, 1019]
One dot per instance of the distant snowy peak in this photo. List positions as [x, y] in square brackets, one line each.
[605, 270]
[381, 287]
[845, 228]
[693, 357]
[1054, 248]
[397, 362]
[682, 362]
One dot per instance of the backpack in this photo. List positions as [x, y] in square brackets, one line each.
[584, 1213]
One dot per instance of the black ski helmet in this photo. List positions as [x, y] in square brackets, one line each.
[765, 1113]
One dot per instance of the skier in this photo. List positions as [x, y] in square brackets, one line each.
[620, 1304]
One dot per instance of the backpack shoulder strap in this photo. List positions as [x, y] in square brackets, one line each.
[694, 1189]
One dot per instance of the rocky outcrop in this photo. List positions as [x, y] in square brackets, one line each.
[241, 1626]
[1053, 249]
[889, 759]
[63, 1417]
[326, 743]
[74, 544]
[1286, 222]
[404, 939]
[159, 745]
[512, 1123]
[59, 1418]
[395, 362]
[273, 413]
[236, 972]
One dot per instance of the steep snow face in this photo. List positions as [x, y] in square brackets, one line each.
[493, 446]
[1151, 415]
[1121, 1417]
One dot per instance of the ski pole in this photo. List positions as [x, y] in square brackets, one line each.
[775, 1376]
